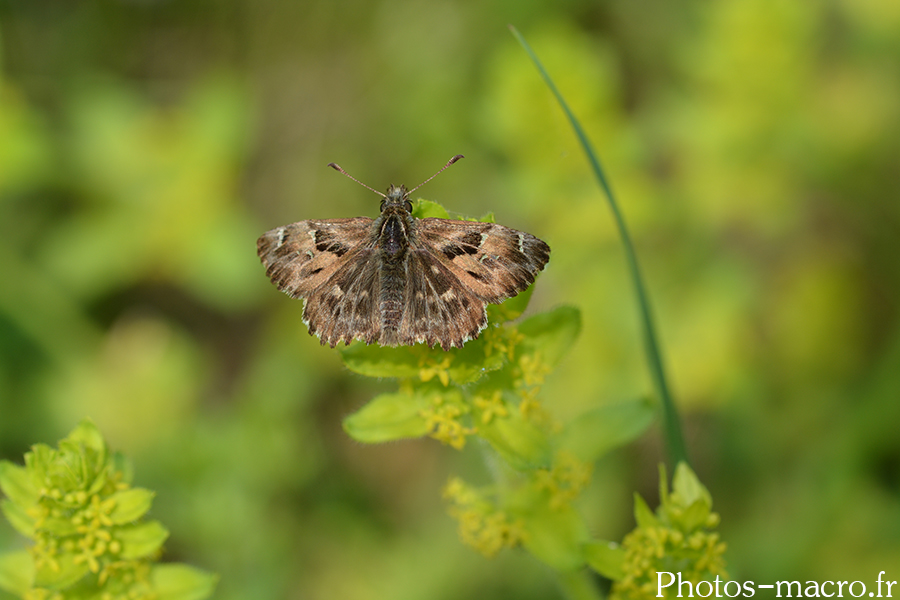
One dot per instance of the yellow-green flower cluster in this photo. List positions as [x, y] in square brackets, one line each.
[75, 504]
[90, 541]
[502, 340]
[442, 420]
[661, 549]
[490, 388]
[530, 372]
[564, 480]
[430, 367]
[533, 369]
[490, 407]
[481, 525]
[677, 539]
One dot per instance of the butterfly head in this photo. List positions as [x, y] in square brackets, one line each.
[396, 201]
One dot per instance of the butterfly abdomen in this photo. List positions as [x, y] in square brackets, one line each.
[390, 307]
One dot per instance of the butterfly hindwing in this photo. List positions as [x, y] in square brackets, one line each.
[439, 308]
[346, 306]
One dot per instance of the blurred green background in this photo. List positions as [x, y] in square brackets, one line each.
[755, 149]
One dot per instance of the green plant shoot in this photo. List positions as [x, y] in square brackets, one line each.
[86, 521]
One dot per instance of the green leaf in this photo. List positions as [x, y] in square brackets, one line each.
[17, 484]
[388, 417]
[463, 365]
[555, 536]
[16, 572]
[593, 434]
[687, 489]
[18, 517]
[122, 465]
[60, 527]
[551, 333]
[606, 558]
[694, 517]
[523, 445]
[64, 573]
[426, 208]
[141, 540]
[378, 361]
[470, 363]
[88, 434]
[182, 582]
[642, 513]
[39, 461]
[131, 505]
[511, 308]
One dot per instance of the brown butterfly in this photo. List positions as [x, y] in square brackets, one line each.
[399, 280]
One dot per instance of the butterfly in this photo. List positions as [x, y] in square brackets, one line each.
[397, 279]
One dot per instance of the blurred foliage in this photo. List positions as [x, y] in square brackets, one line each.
[754, 148]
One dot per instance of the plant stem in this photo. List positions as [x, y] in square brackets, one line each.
[672, 425]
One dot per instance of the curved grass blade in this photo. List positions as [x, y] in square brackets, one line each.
[671, 423]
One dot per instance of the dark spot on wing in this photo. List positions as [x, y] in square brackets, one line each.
[346, 282]
[454, 307]
[441, 282]
[322, 237]
[472, 240]
[326, 242]
[467, 244]
[451, 251]
[314, 271]
[363, 305]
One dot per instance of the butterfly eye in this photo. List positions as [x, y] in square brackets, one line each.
[408, 206]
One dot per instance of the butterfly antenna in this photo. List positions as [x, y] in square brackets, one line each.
[338, 168]
[449, 162]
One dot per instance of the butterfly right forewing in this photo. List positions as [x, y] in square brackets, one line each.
[493, 261]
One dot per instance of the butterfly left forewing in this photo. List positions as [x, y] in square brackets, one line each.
[492, 261]
[301, 256]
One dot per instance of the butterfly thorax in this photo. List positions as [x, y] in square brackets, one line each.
[395, 226]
